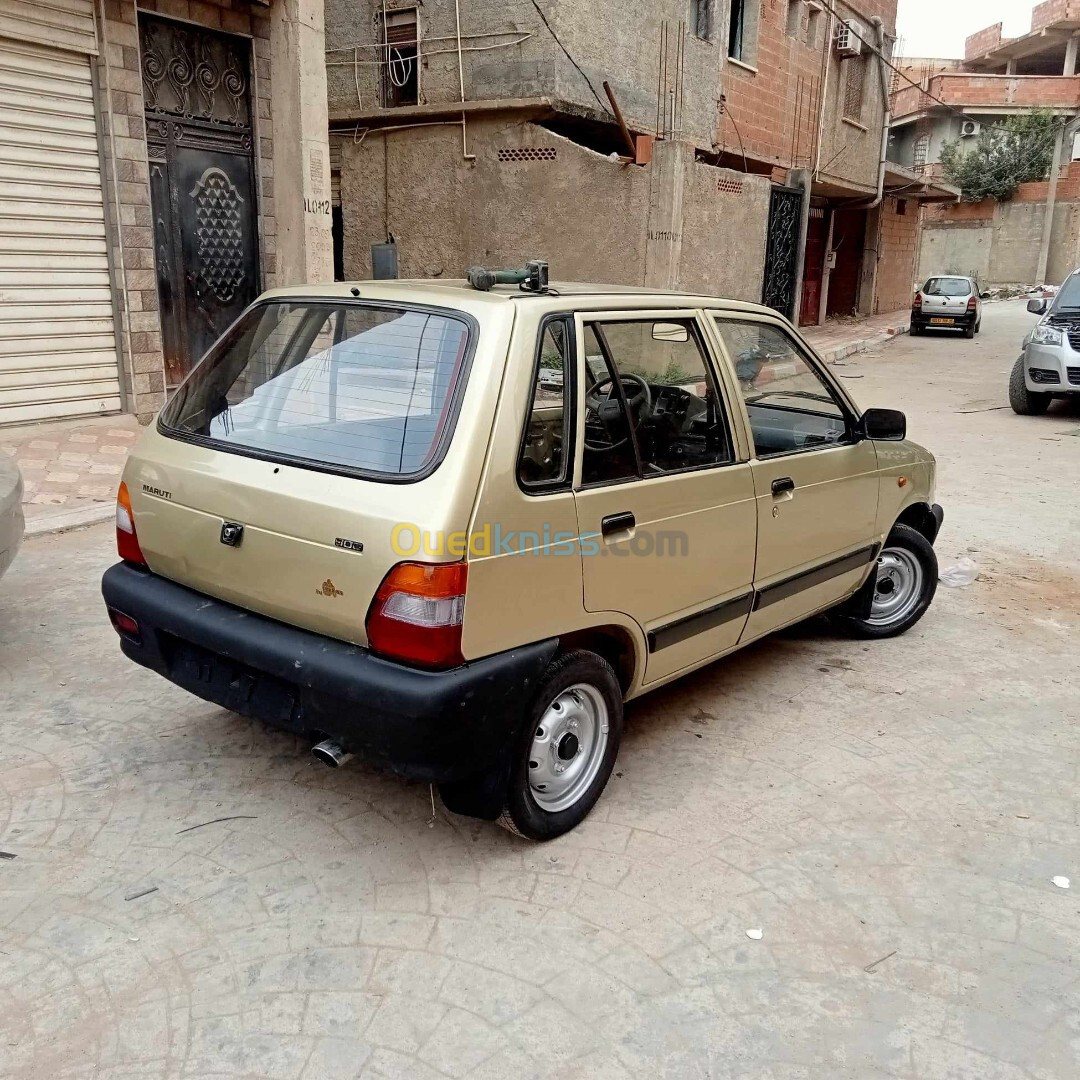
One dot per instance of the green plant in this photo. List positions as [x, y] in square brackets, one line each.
[1017, 151]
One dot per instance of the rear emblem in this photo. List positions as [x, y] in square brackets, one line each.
[231, 533]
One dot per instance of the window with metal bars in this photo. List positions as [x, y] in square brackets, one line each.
[854, 86]
[920, 152]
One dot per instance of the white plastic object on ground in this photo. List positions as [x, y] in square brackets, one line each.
[1061, 882]
[963, 572]
[757, 935]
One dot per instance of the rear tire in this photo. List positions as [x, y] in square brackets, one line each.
[567, 749]
[1025, 402]
[914, 330]
[969, 331]
[907, 575]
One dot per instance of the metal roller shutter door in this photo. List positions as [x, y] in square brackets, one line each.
[57, 343]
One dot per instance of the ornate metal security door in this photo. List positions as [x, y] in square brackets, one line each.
[196, 93]
[781, 252]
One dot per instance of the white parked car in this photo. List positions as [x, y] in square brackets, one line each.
[11, 511]
[947, 302]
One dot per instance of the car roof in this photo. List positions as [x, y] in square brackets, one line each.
[458, 292]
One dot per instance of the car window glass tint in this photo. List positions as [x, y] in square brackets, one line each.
[790, 406]
[543, 454]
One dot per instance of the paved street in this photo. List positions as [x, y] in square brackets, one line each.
[192, 896]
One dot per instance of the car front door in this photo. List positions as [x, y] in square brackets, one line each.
[664, 493]
[816, 480]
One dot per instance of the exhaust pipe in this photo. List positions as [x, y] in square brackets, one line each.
[331, 753]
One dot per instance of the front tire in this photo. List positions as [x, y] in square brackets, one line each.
[567, 749]
[907, 574]
[1025, 402]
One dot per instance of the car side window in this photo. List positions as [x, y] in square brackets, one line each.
[790, 406]
[544, 458]
[651, 401]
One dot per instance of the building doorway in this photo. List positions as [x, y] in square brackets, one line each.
[197, 100]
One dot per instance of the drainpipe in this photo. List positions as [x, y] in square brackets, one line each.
[1065, 138]
[823, 94]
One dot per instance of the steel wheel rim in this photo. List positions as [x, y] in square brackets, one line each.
[898, 587]
[568, 747]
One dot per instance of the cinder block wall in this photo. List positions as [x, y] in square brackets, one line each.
[533, 194]
[896, 262]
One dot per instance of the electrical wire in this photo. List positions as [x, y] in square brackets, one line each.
[566, 52]
[742, 148]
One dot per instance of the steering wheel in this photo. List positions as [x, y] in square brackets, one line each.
[608, 408]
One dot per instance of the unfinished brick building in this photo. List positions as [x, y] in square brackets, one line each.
[1035, 236]
[751, 164]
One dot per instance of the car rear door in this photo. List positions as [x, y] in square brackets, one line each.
[947, 297]
[663, 488]
[816, 481]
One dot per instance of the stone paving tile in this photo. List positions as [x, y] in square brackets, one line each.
[70, 466]
[459, 951]
[889, 814]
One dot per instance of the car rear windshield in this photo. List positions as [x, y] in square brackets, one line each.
[947, 286]
[347, 386]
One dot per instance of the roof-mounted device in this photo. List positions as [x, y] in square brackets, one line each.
[534, 278]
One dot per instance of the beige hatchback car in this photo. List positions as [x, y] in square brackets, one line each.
[452, 530]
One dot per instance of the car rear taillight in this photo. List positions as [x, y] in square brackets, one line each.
[917, 302]
[417, 613]
[972, 303]
[127, 542]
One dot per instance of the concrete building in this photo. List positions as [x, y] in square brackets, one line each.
[751, 164]
[159, 167]
[1035, 237]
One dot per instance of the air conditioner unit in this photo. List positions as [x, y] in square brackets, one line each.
[849, 38]
[969, 128]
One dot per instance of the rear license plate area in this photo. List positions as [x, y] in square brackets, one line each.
[941, 322]
[232, 685]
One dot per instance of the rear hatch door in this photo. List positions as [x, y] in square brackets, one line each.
[297, 464]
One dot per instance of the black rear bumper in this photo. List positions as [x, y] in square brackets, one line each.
[439, 726]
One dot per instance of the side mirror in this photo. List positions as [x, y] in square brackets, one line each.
[668, 331]
[1037, 307]
[883, 425]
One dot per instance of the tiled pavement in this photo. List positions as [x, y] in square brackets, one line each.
[843, 337]
[71, 469]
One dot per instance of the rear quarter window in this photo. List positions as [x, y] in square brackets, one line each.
[349, 387]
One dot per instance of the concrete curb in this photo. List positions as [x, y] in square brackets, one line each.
[882, 337]
[62, 520]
